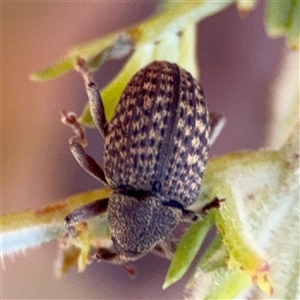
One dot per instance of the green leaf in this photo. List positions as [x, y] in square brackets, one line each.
[94, 52]
[216, 256]
[151, 40]
[294, 27]
[282, 18]
[228, 284]
[59, 69]
[259, 223]
[278, 14]
[187, 250]
[31, 228]
[151, 31]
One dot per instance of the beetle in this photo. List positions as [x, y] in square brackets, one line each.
[156, 149]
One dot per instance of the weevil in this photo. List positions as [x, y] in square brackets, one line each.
[156, 149]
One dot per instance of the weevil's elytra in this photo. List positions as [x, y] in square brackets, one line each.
[156, 149]
[171, 146]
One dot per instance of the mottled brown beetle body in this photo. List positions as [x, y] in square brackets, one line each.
[156, 149]
[158, 137]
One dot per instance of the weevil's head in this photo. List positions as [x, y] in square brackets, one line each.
[138, 223]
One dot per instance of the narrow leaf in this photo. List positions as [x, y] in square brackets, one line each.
[59, 69]
[155, 29]
[282, 18]
[31, 228]
[215, 256]
[230, 284]
[187, 250]
[294, 27]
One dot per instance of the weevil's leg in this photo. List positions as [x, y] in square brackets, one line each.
[192, 216]
[112, 257]
[189, 215]
[169, 246]
[166, 248]
[95, 100]
[108, 255]
[160, 250]
[87, 162]
[84, 213]
[215, 203]
[129, 268]
[76, 146]
[216, 122]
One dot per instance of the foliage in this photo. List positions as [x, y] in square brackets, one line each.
[252, 251]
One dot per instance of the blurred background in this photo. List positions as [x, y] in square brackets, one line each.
[238, 63]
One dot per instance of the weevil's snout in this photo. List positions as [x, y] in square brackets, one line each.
[138, 224]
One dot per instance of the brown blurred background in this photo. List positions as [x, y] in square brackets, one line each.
[238, 62]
